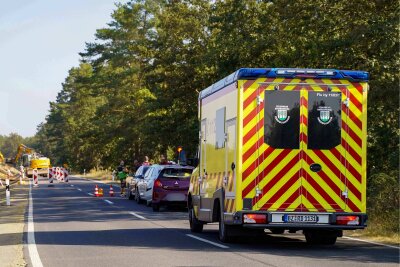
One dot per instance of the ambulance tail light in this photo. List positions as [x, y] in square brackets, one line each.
[255, 218]
[348, 220]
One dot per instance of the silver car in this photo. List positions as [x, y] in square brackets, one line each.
[144, 190]
[131, 182]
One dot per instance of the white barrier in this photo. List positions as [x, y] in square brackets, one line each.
[8, 193]
[66, 176]
[35, 178]
[50, 174]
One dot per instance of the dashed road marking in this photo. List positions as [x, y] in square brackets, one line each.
[79, 189]
[72, 185]
[90, 194]
[207, 241]
[370, 242]
[137, 215]
[108, 201]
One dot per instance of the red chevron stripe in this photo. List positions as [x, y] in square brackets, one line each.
[359, 87]
[352, 134]
[279, 175]
[338, 173]
[288, 201]
[303, 137]
[354, 118]
[347, 165]
[281, 191]
[247, 84]
[219, 179]
[321, 191]
[304, 120]
[303, 102]
[324, 177]
[301, 208]
[334, 186]
[252, 166]
[253, 131]
[253, 148]
[352, 152]
[231, 206]
[253, 113]
[250, 99]
[312, 200]
[355, 102]
[232, 180]
[270, 167]
[352, 206]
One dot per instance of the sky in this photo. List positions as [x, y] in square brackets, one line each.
[39, 42]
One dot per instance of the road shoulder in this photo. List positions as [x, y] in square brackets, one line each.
[12, 221]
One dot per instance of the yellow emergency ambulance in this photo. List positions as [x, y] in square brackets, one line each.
[282, 149]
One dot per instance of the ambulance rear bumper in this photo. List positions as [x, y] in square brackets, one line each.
[280, 220]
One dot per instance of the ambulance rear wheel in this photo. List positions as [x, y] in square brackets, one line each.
[195, 225]
[321, 237]
[224, 230]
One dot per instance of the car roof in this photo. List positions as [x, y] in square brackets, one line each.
[172, 166]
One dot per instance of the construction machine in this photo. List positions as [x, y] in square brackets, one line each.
[31, 160]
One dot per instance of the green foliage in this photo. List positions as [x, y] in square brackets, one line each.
[135, 92]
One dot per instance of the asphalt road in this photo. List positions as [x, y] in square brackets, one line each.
[73, 228]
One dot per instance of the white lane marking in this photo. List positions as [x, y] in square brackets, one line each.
[33, 252]
[79, 189]
[207, 241]
[108, 201]
[137, 215]
[370, 242]
[90, 194]
[72, 185]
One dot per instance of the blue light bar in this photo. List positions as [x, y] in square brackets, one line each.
[254, 73]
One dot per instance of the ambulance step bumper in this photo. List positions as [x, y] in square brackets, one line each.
[300, 220]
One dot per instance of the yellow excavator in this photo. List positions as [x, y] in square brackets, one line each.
[31, 160]
[1, 158]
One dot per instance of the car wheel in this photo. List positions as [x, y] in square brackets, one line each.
[195, 225]
[129, 194]
[155, 207]
[137, 196]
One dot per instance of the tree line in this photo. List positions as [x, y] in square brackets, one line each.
[135, 91]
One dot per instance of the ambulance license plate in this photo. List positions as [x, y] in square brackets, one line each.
[297, 218]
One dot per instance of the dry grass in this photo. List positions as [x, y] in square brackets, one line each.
[3, 171]
[99, 175]
[371, 235]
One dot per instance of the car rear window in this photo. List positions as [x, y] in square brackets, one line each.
[177, 173]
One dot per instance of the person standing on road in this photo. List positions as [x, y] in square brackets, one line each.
[146, 161]
[122, 178]
[135, 166]
[163, 160]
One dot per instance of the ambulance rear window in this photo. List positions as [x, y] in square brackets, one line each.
[324, 120]
[282, 119]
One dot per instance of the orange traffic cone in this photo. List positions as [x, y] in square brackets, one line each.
[111, 191]
[96, 191]
[100, 192]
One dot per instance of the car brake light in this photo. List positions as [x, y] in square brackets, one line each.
[157, 183]
[348, 220]
[254, 218]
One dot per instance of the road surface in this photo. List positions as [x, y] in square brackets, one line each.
[73, 228]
